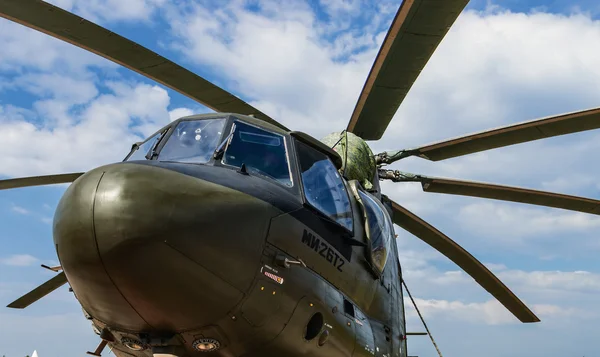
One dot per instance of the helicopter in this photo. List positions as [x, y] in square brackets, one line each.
[228, 234]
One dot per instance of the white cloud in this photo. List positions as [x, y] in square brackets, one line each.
[20, 260]
[564, 292]
[568, 183]
[421, 268]
[490, 312]
[334, 7]
[279, 59]
[21, 49]
[179, 113]
[545, 281]
[512, 222]
[69, 127]
[79, 119]
[450, 278]
[111, 10]
[20, 210]
[98, 133]
[59, 87]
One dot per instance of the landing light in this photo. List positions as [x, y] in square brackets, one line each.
[206, 345]
[132, 344]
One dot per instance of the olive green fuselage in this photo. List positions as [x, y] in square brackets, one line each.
[167, 254]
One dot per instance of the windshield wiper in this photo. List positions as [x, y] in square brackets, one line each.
[152, 152]
[220, 150]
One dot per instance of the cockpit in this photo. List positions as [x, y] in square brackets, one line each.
[297, 162]
[223, 141]
[258, 148]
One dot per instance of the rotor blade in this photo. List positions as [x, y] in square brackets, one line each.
[457, 254]
[509, 135]
[39, 180]
[513, 194]
[496, 192]
[68, 27]
[34, 295]
[415, 33]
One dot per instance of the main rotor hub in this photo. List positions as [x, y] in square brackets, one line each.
[358, 162]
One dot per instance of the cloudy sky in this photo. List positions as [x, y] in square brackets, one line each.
[304, 63]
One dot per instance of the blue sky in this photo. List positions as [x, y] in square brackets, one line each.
[304, 63]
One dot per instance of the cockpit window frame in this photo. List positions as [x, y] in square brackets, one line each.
[306, 203]
[229, 128]
[168, 131]
[162, 133]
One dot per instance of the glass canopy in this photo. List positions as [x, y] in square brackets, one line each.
[379, 229]
[323, 185]
[260, 151]
[193, 141]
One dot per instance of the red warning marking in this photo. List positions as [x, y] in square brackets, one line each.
[274, 277]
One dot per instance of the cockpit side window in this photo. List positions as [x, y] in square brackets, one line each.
[323, 185]
[379, 230]
[193, 141]
[260, 151]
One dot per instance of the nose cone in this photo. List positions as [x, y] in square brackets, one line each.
[173, 251]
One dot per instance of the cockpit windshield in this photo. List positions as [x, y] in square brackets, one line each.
[142, 151]
[193, 141]
[262, 152]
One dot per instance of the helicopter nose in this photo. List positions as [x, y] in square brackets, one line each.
[179, 250]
